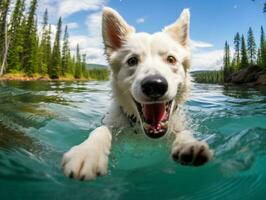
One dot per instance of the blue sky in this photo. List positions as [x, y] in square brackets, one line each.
[212, 22]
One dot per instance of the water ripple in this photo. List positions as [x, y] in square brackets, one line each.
[40, 121]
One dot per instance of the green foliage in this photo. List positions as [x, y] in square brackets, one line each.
[83, 66]
[30, 41]
[4, 8]
[227, 60]
[32, 54]
[237, 42]
[55, 64]
[262, 37]
[251, 46]
[78, 67]
[262, 49]
[250, 55]
[244, 57]
[98, 74]
[66, 55]
[16, 37]
[211, 77]
[45, 46]
[258, 57]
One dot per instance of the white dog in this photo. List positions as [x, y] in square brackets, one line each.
[149, 81]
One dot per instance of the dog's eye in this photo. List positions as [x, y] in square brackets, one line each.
[171, 60]
[132, 61]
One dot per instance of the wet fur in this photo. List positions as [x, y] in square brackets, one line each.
[88, 160]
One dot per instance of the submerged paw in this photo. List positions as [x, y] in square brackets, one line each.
[196, 153]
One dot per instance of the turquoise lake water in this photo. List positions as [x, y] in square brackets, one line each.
[39, 121]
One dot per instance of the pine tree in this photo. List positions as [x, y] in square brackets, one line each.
[48, 50]
[251, 46]
[244, 56]
[35, 49]
[4, 40]
[72, 63]
[16, 37]
[84, 71]
[4, 8]
[55, 64]
[259, 62]
[65, 54]
[263, 49]
[30, 34]
[78, 67]
[233, 65]
[262, 37]
[237, 41]
[45, 46]
[227, 67]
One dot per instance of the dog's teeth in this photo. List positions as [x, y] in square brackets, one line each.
[146, 126]
[164, 125]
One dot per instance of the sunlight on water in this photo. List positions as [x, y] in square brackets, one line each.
[39, 121]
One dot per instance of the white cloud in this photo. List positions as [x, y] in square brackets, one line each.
[50, 5]
[195, 44]
[94, 24]
[82, 40]
[92, 43]
[73, 25]
[68, 7]
[140, 20]
[89, 47]
[209, 60]
[204, 57]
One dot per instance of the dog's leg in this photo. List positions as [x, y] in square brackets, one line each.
[90, 158]
[188, 151]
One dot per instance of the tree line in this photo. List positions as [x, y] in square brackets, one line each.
[25, 49]
[211, 77]
[244, 56]
[246, 53]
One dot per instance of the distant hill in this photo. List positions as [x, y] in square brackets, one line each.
[96, 66]
[200, 71]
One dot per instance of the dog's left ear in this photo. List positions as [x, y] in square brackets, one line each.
[115, 30]
[179, 31]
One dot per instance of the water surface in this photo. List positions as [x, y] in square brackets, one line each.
[39, 121]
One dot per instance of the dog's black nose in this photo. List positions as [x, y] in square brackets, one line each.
[154, 86]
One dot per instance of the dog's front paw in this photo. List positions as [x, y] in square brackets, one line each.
[85, 163]
[195, 153]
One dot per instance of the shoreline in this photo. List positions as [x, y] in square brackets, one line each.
[42, 79]
[251, 76]
[16, 77]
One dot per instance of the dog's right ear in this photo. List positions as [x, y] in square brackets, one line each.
[115, 30]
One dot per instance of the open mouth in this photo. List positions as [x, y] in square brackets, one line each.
[155, 118]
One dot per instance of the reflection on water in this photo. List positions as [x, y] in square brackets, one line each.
[39, 121]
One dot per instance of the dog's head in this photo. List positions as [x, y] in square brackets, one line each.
[149, 72]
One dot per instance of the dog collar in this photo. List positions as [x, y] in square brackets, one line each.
[132, 119]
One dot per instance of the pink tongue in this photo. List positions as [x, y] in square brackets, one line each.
[154, 113]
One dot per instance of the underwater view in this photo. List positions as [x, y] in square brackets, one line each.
[39, 121]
